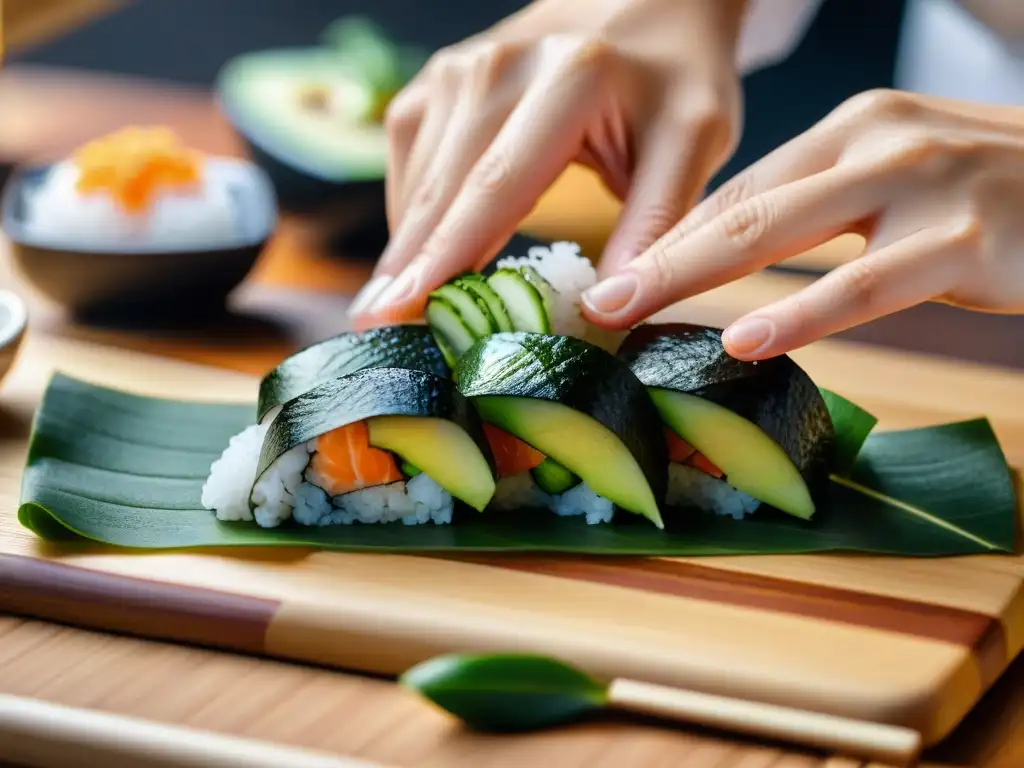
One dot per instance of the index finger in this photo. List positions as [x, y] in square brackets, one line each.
[759, 231]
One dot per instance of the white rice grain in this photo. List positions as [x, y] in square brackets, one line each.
[689, 487]
[522, 492]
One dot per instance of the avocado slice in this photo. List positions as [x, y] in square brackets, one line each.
[766, 425]
[442, 450]
[579, 405]
[416, 414]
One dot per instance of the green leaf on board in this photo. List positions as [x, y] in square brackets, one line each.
[852, 425]
[128, 470]
[505, 692]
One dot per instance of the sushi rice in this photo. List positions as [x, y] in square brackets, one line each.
[522, 492]
[569, 273]
[57, 213]
[289, 489]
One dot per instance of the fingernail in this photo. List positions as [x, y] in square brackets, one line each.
[611, 295]
[369, 292]
[748, 336]
[398, 290]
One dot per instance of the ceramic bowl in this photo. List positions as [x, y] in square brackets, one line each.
[154, 280]
[13, 323]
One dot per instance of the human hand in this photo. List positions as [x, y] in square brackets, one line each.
[645, 92]
[936, 187]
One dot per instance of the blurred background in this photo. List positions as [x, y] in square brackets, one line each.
[851, 46]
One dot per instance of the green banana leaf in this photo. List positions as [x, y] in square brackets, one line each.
[128, 470]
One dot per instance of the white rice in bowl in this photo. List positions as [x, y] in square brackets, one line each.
[58, 215]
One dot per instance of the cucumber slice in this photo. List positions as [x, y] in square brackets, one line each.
[548, 295]
[473, 314]
[553, 478]
[409, 470]
[451, 333]
[523, 301]
[477, 285]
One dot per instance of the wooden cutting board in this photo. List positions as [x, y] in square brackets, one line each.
[903, 641]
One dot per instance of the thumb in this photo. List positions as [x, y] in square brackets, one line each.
[674, 165]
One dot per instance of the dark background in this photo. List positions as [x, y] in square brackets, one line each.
[850, 48]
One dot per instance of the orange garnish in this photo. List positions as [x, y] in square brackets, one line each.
[134, 164]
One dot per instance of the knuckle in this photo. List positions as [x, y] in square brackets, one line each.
[966, 233]
[445, 67]
[876, 104]
[860, 283]
[745, 224]
[661, 269]
[490, 60]
[656, 220]
[493, 173]
[581, 53]
[402, 113]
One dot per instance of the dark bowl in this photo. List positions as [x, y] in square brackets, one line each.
[348, 201]
[147, 281]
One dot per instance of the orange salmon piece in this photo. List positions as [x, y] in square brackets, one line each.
[700, 461]
[345, 461]
[511, 455]
[678, 449]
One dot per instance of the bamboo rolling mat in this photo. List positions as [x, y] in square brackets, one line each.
[908, 642]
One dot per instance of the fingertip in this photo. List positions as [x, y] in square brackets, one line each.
[752, 338]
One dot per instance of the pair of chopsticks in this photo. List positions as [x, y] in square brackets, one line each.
[38, 734]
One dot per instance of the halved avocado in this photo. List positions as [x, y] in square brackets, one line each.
[576, 404]
[310, 122]
[440, 448]
[765, 425]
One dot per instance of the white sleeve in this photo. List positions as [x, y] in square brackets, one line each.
[772, 29]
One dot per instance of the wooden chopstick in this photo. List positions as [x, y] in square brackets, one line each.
[889, 744]
[39, 734]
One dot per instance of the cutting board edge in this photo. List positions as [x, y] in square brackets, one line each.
[278, 629]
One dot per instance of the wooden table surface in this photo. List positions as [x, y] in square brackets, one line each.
[298, 295]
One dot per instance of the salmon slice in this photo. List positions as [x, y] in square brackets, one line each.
[678, 449]
[511, 455]
[345, 461]
[681, 452]
[700, 461]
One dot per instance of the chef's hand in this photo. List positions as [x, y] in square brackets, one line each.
[936, 187]
[645, 92]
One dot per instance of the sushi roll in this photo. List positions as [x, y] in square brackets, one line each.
[570, 427]
[381, 445]
[536, 293]
[133, 188]
[739, 434]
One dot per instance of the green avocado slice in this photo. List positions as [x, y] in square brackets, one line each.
[765, 425]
